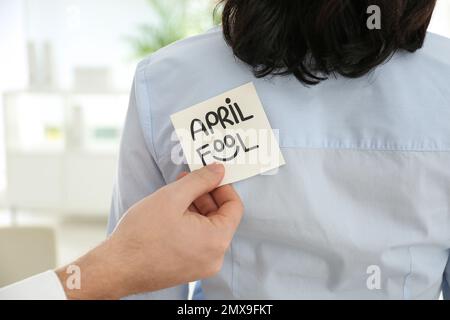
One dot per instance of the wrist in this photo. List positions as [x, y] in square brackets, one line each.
[95, 276]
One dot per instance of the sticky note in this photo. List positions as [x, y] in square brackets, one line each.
[231, 128]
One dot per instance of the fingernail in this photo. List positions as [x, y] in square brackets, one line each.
[216, 168]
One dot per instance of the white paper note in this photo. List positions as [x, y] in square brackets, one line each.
[232, 129]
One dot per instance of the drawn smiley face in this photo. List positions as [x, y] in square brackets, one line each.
[224, 150]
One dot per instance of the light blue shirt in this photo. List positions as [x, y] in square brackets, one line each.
[362, 208]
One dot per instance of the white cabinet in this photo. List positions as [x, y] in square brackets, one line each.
[34, 181]
[88, 182]
[62, 150]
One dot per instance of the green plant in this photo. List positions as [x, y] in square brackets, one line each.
[173, 20]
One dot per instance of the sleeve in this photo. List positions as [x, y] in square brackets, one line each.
[138, 174]
[44, 286]
[446, 282]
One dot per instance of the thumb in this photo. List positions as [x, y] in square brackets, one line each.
[198, 183]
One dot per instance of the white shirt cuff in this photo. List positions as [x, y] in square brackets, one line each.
[44, 286]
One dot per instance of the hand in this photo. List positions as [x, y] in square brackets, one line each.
[177, 235]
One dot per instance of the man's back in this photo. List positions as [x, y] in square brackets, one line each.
[362, 208]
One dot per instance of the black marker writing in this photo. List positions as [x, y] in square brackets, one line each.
[219, 147]
[224, 117]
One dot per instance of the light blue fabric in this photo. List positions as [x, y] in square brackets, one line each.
[367, 180]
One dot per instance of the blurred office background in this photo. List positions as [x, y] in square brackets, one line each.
[66, 67]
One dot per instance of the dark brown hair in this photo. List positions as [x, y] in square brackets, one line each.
[313, 39]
